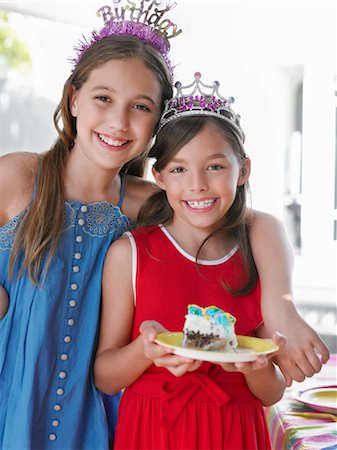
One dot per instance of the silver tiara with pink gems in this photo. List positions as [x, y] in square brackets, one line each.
[203, 99]
[143, 20]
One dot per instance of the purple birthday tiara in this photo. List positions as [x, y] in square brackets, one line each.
[198, 98]
[144, 21]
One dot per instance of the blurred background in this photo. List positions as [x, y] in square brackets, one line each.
[276, 57]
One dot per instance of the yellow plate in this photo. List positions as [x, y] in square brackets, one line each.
[323, 398]
[249, 348]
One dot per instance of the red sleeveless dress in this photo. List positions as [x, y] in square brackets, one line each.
[205, 409]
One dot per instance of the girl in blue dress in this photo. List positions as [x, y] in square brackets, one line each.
[59, 212]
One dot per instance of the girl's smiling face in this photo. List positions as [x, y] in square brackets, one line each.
[116, 111]
[202, 179]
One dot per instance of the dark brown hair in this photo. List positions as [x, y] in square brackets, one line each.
[40, 228]
[156, 209]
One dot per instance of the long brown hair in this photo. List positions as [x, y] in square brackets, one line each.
[41, 226]
[157, 210]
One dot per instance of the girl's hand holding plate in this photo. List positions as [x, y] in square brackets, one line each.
[262, 360]
[164, 356]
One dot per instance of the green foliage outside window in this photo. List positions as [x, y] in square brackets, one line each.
[14, 52]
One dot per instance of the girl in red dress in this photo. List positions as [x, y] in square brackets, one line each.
[193, 247]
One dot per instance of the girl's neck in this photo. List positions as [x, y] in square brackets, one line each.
[86, 182]
[190, 240]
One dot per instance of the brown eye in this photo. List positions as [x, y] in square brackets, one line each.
[215, 167]
[102, 98]
[142, 108]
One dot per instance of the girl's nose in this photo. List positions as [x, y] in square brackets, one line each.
[119, 119]
[198, 182]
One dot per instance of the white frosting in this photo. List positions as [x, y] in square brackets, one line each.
[204, 326]
[207, 326]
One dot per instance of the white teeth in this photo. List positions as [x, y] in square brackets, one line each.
[201, 204]
[110, 141]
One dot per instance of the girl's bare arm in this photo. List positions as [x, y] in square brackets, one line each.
[17, 177]
[274, 259]
[4, 301]
[267, 384]
[119, 361]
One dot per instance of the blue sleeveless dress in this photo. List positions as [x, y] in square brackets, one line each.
[48, 337]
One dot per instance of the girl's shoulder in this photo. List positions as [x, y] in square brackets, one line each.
[269, 240]
[140, 186]
[119, 253]
[137, 190]
[24, 164]
[18, 173]
[262, 223]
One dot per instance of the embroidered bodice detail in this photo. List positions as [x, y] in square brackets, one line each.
[7, 233]
[97, 219]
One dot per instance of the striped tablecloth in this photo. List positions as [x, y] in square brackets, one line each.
[295, 426]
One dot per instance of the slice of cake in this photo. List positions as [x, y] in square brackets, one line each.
[209, 328]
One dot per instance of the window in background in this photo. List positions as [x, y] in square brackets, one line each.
[33, 69]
